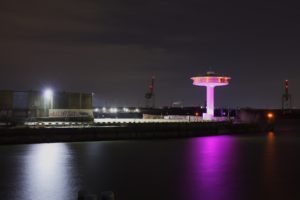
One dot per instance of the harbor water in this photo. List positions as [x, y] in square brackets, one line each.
[228, 167]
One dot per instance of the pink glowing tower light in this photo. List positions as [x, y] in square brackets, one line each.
[210, 80]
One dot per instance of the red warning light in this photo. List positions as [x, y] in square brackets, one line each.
[286, 83]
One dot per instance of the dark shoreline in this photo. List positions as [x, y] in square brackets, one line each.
[25, 135]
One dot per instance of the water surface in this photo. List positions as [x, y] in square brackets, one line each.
[254, 166]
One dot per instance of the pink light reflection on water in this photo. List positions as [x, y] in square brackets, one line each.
[210, 168]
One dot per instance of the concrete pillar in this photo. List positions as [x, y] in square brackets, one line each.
[209, 103]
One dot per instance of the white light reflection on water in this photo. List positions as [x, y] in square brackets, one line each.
[47, 173]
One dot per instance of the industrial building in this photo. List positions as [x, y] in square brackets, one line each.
[20, 105]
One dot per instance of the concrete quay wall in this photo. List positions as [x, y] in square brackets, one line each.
[121, 132]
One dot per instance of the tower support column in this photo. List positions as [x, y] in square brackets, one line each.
[209, 103]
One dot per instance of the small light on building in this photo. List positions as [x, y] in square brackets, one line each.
[270, 115]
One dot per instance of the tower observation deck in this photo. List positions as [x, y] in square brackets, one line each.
[210, 80]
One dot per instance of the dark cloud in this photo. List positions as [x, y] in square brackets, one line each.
[113, 47]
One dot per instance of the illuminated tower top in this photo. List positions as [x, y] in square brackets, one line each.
[211, 79]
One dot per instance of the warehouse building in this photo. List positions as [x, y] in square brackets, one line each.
[20, 105]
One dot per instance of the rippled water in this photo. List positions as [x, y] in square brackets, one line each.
[257, 166]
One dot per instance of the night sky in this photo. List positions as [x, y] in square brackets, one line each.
[112, 48]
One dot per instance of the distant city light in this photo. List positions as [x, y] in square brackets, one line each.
[137, 110]
[103, 109]
[96, 109]
[125, 109]
[48, 93]
[113, 110]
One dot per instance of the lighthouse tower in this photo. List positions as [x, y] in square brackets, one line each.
[210, 80]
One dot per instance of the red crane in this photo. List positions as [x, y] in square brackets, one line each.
[149, 96]
[286, 97]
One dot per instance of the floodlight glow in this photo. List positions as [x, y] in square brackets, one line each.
[48, 93]
[137, 110]
[96, 110]
[103, 109]
[125, 109]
